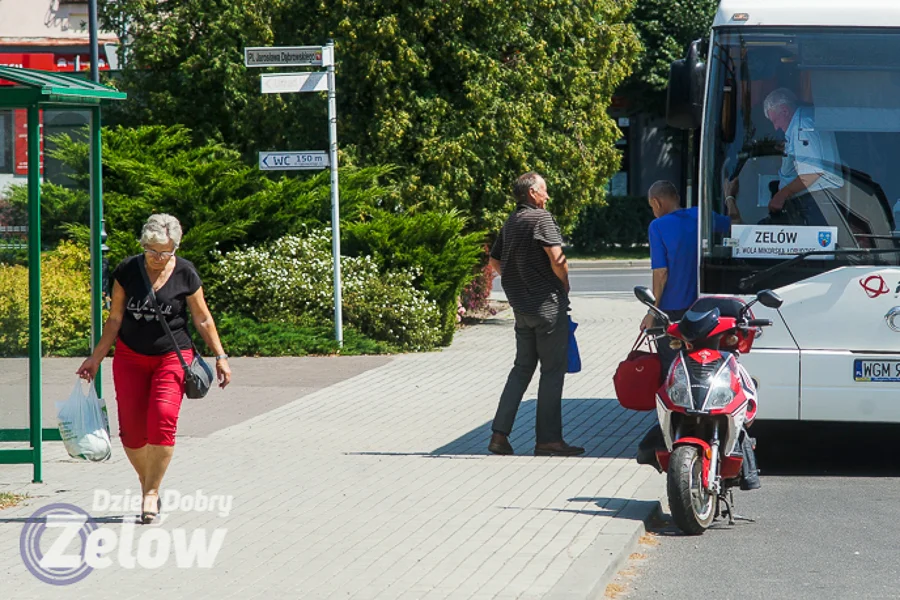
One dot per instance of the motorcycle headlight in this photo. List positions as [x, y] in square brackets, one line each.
[679, 385]
[720, 392]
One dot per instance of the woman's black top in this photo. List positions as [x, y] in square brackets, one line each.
[141, 331]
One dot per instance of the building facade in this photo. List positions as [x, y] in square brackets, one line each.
[650, 151]
[50, 35]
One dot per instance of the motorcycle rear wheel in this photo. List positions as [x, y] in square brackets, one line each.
[693, 508]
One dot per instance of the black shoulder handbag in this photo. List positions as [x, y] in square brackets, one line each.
[198, 376]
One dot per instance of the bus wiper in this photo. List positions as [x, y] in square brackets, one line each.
[747, 283]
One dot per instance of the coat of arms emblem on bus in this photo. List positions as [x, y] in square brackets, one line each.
[824, 238]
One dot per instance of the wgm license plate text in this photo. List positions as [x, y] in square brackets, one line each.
[876, 370]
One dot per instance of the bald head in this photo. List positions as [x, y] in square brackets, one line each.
[663, 198]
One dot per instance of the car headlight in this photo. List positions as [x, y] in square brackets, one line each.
[679, 385]
[720, 392]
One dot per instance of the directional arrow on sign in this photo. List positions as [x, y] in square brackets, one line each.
[293, 160]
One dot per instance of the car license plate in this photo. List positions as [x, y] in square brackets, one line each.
[876, 370]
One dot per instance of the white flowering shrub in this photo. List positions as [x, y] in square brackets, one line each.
[291, 280]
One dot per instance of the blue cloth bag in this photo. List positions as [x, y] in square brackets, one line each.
[574, 365]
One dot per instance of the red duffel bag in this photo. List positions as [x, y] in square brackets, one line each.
[638, 377]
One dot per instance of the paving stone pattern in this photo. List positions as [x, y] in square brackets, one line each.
[380, 486]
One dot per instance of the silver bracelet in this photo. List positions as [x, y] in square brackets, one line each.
[221, 357]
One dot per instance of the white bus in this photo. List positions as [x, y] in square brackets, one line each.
[832, 248]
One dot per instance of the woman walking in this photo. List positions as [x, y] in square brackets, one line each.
[147, 373]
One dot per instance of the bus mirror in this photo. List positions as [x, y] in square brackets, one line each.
[769, 299]
[684, 100]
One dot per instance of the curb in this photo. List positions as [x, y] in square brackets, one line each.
[580, 263]
[597, 566]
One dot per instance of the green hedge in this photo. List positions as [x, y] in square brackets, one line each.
[290, 281]
[65, 304]
[430, 242]
[242, 336]
[621, 222]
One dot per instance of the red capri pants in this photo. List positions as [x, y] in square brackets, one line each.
[149, 390]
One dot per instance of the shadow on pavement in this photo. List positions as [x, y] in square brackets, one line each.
[600, 425]
[788, 448]
[612, 507]
[105, 520]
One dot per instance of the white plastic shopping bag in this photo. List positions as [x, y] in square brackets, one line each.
[84, 424]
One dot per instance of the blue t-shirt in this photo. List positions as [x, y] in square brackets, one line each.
[673, 246]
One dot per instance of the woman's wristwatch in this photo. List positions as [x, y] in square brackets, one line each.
[221, 357]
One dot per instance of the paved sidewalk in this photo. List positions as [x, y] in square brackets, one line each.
[380, 486]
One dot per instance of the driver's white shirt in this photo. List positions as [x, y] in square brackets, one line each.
[810, 152]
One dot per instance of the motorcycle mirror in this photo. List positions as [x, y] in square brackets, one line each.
[644, 295]
[769, 299]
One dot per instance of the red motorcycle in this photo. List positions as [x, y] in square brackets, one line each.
[705, 405]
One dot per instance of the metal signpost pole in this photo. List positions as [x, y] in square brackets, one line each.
[335, 206]
[92, 34]
[299, 160]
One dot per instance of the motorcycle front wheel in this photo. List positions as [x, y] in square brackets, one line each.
[693, 508]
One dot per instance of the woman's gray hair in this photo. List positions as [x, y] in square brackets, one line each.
[160, 229]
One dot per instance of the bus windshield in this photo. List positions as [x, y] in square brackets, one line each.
[801, 154]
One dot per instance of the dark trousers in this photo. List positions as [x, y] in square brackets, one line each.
[547, 341]
[666, 353]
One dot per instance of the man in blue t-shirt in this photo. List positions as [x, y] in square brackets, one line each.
[674, 258]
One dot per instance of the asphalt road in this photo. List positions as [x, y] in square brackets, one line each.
[828, 525]
[595, 281]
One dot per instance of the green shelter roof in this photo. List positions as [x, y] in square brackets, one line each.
[44, 88]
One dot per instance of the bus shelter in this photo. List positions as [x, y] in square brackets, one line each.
[35, 91]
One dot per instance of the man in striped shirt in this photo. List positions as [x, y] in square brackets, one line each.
[528, 256]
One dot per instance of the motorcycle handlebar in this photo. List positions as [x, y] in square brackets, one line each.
[760, 323]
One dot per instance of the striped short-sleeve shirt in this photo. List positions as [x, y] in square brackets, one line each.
[529, 282]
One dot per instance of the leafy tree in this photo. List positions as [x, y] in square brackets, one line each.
[185, 66]
[462, 95]
[221, 202]
[665, 28]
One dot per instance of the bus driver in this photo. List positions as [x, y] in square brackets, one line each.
[812, 167]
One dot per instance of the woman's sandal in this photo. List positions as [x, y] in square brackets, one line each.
[147, 517]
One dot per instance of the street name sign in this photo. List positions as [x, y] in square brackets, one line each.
[289, 56]
[286, 83]
[293, 160]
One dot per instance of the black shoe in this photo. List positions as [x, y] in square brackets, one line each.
[751, 482]
[647, 456]
[147, 517]
[500, 444]
[557, 449]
